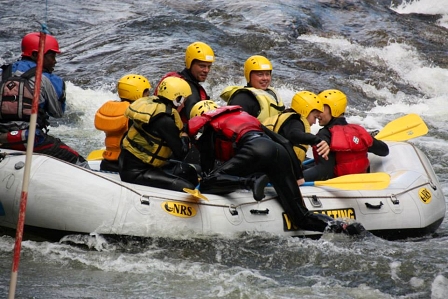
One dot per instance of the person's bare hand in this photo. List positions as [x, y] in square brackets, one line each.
[323, 149]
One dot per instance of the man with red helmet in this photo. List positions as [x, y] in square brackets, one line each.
[14, 124]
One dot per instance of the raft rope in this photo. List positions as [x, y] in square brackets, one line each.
[144, 196]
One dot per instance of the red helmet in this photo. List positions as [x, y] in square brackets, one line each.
[30, 43]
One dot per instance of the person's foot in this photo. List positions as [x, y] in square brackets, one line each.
[354, 228]
[338, 226]
[258, 187]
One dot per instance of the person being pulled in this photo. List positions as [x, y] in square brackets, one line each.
[17, 91]
[349, 143]
[237, 138]
[154, 147]
[110, 117]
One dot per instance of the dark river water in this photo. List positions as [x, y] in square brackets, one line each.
[389, 57]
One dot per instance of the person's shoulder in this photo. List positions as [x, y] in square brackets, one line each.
[186, 75]
[242, 93]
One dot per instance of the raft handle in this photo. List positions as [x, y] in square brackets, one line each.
[232, 210]
[315, 202]
[375, 207]
[259, 212]
[394, 200]
[433, 186]
[144, 200]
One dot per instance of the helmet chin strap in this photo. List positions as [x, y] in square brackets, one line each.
[180, 105]
[179, 108]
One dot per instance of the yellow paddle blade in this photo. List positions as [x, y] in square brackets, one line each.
[362, 181]
[403, 128]
[95, 155]
[196, 193]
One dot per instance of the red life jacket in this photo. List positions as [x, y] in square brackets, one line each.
[230, 123]
[350, 142]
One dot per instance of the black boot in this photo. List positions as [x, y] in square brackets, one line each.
[351, 229]
[256, 184]
[220, 184]
[224, 184]
[258, 187]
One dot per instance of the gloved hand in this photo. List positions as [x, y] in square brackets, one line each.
[185, 143]
[374, 133]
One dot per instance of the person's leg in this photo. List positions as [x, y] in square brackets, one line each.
[44, 144]
[282, 178]
[183, 170]
[237, 173]
[133, 170]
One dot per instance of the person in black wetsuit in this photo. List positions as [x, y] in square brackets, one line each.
[295, 125]
[256, 98]
[154, 147]
[199, 58]
[239, 140]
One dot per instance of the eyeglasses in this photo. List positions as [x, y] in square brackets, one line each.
[179, 101]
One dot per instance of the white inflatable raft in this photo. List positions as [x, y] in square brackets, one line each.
[65, 199]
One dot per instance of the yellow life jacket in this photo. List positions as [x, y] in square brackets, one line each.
[274, 123]
[110, 119]
[269, 105]
[147, 147]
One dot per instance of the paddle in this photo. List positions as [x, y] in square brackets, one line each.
[95, 155]
[362, 181]
[196, 193]
[403, 128]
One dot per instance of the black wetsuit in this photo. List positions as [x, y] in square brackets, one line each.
[246, 99]
[255, 152]
[195, 96]
[176, 175]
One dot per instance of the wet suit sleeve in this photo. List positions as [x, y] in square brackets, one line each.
[247, 101]
[206, 147]
[294, 131]
[166, 129]
[379, 148]
[323, 169]
[195, 96]
[191, 100]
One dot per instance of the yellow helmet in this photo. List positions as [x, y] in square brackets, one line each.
[174, 89]
[202, 106]
[256, 63]
[304, 102]
[132, 86]
[200, 51]
[336, 100]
